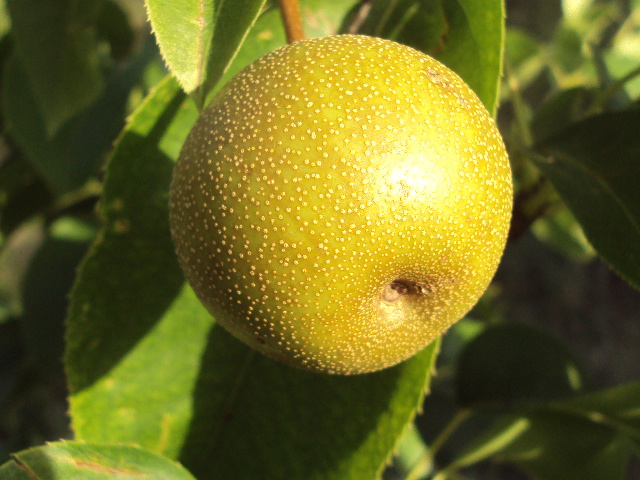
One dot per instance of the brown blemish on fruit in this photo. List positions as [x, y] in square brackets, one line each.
[440, 79]
[397, 289]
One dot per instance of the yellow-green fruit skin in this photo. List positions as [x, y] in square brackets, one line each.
[341, 203]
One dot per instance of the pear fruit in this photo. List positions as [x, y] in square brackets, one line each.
[341, 202]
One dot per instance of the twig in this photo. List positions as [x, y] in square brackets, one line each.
[292, 20]
[360, 16]
[450, 429]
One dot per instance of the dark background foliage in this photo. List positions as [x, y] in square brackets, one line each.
[553, 297]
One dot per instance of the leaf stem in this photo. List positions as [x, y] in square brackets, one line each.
[292, 20]
[427, 460]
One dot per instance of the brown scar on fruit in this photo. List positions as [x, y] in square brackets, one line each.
[404, 187]
[442, 80]
[399, 288]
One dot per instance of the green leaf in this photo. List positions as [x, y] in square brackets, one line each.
[412, 451]
[567, 54]
[320, 18]
[22, 193]
[278, 422]
[587, 436]
[146, 359]
[617, 407]
[420, 24]
[83, 461]
[16, 255]
[5, 21]
[128, 282]
[560, 230]
[475, 33]
[552, 446]
[72, 156]
[531, 367]
[49, 156]
[199, 38]
[560, 111]
[57, 47]
[524, 56]
[46, 288]
[466, 35]
[594, 166]
[113, 25]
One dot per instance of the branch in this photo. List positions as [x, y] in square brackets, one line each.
[292, 19]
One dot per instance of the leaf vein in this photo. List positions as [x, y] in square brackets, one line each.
[201, 29]
[25, 467]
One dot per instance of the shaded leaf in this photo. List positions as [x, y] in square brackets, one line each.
[559, 112]
[5, 21]
[594, 166]
[58, 49]
[512, 365]
[144, 355]
[524, 56]
[617, 407]
[17, 252]
[420, 24]
[22, 193]
[46, 288]
[552, 446]
[50, 157]
[278, 421]
[12, 356]
[112, 24]
[587, 436]
[199, 38]
[560, 230]
[69, 158]
[83, 461]
[567, 51]
[465, 35]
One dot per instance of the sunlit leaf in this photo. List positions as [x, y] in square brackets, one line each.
[199, 38]
[320, 18]
[83, 461]
[145, 357]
